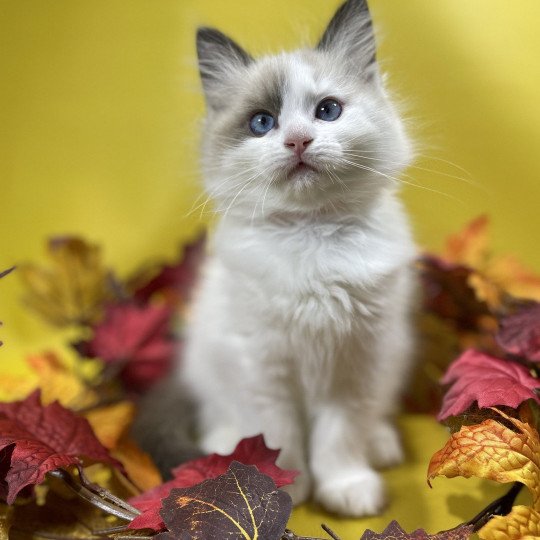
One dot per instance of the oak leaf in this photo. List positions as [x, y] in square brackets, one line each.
[73, 289]
[519, 333]
[249, 451]
[138, 339]
[36, 439]
[395, 532]
[490, 381]
[241, 504]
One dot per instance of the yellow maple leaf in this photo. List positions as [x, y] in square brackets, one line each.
[493, 451]
[138, 464]
[522, 523]
[73, 289]
[58, 382]
[110, 422]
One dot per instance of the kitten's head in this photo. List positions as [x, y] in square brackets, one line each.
[302, 131]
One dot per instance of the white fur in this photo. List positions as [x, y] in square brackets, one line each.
[301, 328]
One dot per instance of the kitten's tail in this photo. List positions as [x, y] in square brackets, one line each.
[165, 425]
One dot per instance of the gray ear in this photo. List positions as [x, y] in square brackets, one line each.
[350, 34]
[219, 58]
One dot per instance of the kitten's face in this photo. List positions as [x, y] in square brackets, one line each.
[300, 131]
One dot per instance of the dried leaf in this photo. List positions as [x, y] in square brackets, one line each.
[137, 338]
[35, 440]
[489, 381]
[493, 451]
[250, 451]
[520, 333]
[522, 523]
[515, 278]
[72, 290]
[241, 504]
[395, 532]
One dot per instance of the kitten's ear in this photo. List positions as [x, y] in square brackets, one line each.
[350, 35]
[219, 59]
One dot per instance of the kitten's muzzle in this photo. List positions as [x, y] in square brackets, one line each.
[298, 143]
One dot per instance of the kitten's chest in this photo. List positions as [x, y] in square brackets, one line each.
[311, 275]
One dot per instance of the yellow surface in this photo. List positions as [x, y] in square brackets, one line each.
[412, 502]
[100, 102]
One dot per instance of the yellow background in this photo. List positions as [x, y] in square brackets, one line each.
[100, 104]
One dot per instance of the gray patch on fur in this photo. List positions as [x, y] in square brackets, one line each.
[165, 426]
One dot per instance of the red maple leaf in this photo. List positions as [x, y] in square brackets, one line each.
[175, 281]
[250, 451]
[137, 337]
[35, 440]
[519, 333]
[490, 381]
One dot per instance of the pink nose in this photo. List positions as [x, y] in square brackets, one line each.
[298, 143]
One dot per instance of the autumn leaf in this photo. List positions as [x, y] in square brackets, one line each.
[36, 439]
[493, 274]
[395, 532]
[493, 451]
[137, 339]
[249, 451]
[173, 282]
[449, 294]
[73, 289]
[519, 333]
[522, 523]
[476, 376]
[111, 422]
[241, 504]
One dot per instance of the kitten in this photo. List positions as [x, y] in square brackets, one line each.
[301, 327]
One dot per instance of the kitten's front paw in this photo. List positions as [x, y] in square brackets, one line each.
[221, 440]
[355, 493]
[384, 446]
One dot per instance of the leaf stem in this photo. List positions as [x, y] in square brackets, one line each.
[499, 507]
[93, 498]
[289, 535]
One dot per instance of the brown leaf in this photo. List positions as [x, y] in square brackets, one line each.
[395, 532]
[241, 504]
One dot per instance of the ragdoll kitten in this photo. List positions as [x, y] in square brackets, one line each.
[301, 327]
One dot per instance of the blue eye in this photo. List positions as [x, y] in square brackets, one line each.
[261, 123]
[328, 110]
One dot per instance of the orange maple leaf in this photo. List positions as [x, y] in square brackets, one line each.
[493, 451]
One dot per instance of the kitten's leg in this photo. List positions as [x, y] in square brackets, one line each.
[344, 481]
[394, 361]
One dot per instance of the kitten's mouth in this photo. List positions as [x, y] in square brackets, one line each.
[300, 168]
